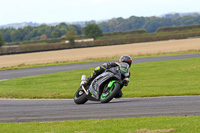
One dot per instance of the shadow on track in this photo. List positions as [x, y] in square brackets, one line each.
[114, 101]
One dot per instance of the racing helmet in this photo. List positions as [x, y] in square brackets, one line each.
[127, 59]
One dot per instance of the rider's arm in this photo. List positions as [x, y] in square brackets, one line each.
[109, 65]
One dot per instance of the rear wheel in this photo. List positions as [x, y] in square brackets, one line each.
[109, 92]
[80, 96]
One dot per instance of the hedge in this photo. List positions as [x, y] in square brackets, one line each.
[58, 46]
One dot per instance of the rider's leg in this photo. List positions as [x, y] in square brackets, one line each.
[119, 95]
[97, 71]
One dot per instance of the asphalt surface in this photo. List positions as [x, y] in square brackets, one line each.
[64, 109]
[61, 110]
[4, 75]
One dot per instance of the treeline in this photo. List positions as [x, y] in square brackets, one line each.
[150, 24]
[41, 32]
[117, 25]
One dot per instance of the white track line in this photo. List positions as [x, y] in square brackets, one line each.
[3, 79]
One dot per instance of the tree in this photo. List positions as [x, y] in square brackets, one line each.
[54, 34]
[6, 36]
[1, 40]
[43, 36]
[71, 36]
[93, 31]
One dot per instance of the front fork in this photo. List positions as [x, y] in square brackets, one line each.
[83, 80]
[86, 92]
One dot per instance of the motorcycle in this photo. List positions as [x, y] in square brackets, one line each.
[104, 87]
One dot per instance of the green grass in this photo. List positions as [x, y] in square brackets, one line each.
[185, 124]
[21, 66]
[163, 78]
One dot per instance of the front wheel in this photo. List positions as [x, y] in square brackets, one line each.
[110, 92]
[80, 96]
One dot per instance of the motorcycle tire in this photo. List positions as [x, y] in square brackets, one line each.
[110, 93]
[80, 97]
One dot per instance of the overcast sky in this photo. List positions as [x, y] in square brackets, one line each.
[48, 11]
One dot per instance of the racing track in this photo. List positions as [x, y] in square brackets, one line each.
[4, 75]
[64, 109]
[61, 110]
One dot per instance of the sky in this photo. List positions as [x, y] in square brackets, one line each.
[50, 11]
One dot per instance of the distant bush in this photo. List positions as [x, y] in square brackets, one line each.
[125, 32]
[178, 28]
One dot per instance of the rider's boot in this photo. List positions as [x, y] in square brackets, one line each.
[88, 81]
[119, 95]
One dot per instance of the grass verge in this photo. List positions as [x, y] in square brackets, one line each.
[184, 124]
[21, 66]
[163, 78]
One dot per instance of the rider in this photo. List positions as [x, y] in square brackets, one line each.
[100, 69]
